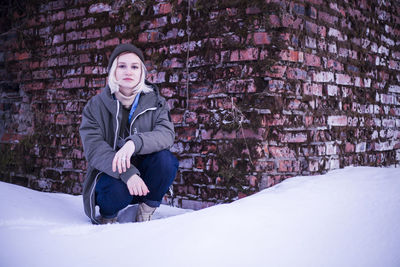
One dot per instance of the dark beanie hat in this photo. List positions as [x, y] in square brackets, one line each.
[124, 48]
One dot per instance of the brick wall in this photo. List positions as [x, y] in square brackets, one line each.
[260, 91]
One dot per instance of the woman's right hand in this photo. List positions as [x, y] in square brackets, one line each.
[122, 159]
[136, 186]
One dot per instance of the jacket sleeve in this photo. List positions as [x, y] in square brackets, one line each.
[98, 152]
[161, 137]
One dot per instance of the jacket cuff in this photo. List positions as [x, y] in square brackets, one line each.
[137, 141]
[129, 173]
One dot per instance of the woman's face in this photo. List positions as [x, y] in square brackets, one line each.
[128, 72]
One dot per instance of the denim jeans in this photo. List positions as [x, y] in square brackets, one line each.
[158, 171]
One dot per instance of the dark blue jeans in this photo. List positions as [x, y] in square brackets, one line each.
[158, 171]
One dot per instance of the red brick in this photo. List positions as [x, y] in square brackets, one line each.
[312, 11]
[186, 133]
[143, 37]
[22, 56]
[328, 18]
[112, 42]
[332, 90]
[33, 86]
[84, 58]
[95, 70]
[261, 38]
[308, 120]
[63, 119]
[240, 86]
[168, 91]
[157, 23]
[97, 82]
[394, 65]
[337, 8]
[191, 117]
[276, 85]
[154, 37]
[335, 33]
[219, 135]
[343, 79]
[73, 83]
[394, 88]
[72, 36]
[296, 73]
[312, 60]
[12, 137]
[56, 16]
[294, 137]
[322, 31]
[199, 163]
[87, 22]
[165, 8]
[34, 65]
[99, 8]
[281, 152]
[265, 166]
[323, 76]
[336, 65]
[58, 38]
[75, 12]
[252, 180]
[274, 21]
[337, 120]
[250, 134]
[277, 71]
[177, 118]
[312, 27]
[105, 31]
[349, 147]
[312, 89]
[247, 54]
[313, 166]
[231, 11]
[93, 33]
[71, 25]
[289, 21]
[290, 55]
[252, 10]
[288, 166]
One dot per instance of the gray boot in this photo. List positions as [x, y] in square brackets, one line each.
[144, 212]
[103, 220]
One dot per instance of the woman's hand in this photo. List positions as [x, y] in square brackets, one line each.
[136, 186]
[122, 159]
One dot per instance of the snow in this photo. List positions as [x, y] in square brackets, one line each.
[347, 217]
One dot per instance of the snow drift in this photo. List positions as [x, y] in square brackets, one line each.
[348, 217]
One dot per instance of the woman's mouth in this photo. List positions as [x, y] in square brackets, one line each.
[128, 79]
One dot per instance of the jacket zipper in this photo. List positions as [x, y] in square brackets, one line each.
[116, 130]
[144, 111]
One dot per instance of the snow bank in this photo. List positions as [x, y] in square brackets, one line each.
[348, 217]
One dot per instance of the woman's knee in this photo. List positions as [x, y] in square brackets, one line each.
[164, 160]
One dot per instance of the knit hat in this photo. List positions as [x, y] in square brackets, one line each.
[124, 48]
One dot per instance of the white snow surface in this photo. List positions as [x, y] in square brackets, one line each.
[347, 217]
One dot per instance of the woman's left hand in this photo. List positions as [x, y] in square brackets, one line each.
[122, 159]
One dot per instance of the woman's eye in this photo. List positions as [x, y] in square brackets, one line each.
[135, 67]
[121, 66]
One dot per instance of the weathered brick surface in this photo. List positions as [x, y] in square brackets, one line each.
[261, 92]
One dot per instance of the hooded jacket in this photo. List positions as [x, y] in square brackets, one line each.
[151, 130]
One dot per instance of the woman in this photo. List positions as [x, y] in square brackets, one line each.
[126, 133]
